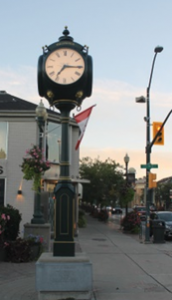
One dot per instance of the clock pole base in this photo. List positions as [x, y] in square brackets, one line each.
[64, 248]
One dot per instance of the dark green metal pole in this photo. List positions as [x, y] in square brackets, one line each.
[64, 244]
[37, 215]
[148, 150]
[148, 158]
[126, 168]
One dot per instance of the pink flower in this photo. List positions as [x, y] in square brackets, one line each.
[8, 217]
[3, 216]
[41, 239]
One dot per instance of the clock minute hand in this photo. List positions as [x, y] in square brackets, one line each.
[78, 67]
[67, 66]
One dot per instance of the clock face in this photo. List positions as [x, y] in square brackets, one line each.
[64, 66]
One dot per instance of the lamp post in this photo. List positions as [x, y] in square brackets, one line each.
[126, 160]
[142, 99]
[59, 146]
[41, 117]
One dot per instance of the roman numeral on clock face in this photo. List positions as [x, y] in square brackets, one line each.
[65, 66]
[52, 73]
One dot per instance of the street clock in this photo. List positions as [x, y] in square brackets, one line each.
[65, 71]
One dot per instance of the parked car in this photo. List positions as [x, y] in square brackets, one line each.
[141, 211]
[165, 216]
[108, 208]
[152, 207]
[116, 210]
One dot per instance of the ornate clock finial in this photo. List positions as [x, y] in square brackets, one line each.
[66, 35]
[66, 31]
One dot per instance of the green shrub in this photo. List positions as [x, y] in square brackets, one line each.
[12, 228]
[81, 213]
[81, 219]
[24, 249]
[103, 215]
[18, 251]
[136, 229]
[131, 222]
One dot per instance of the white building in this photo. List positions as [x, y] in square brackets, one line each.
[18, 131]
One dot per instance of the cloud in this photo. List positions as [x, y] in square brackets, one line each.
[116, 125]
[20, 82]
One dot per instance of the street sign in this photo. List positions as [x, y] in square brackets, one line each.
[143, 166]
[149, 166]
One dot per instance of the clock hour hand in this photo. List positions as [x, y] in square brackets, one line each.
[64, 66]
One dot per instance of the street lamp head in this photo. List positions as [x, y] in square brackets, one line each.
[41, 111]
[131, 171]
[126, 158]
[140, 99]
[158, 49]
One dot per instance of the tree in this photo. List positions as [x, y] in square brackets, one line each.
[127, 194]
[162, 193]
[106, 179]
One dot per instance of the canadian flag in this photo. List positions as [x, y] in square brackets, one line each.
[82, 120]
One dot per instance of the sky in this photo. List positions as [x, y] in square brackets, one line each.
[121, 35]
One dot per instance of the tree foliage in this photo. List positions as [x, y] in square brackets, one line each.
[162, 194]
[128, 196]
[106, 180]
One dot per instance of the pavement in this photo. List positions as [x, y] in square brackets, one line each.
[123, 267]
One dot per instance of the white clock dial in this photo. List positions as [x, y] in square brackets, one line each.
[64, 66]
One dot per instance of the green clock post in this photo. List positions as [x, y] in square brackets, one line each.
[65, 79]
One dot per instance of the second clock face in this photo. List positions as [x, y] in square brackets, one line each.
[64, 66]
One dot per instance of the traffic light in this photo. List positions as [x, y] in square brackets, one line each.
[152, 183]
[160, 137]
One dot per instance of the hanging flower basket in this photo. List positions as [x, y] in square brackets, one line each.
[34, 166]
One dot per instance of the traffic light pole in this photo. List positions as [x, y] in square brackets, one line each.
[142, 99]
[157, 134]
[148, 150]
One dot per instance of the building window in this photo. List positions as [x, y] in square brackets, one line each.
[53, 141]
[3, 140]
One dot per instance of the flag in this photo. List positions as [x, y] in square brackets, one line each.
[82, 120]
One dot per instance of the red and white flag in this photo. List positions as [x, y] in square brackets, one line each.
[82, 120]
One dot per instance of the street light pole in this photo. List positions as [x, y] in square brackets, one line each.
[142, 99]
[157, 50]
[126, 160]
[41, 117]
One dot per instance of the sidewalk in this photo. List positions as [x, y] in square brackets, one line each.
[123, 268]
